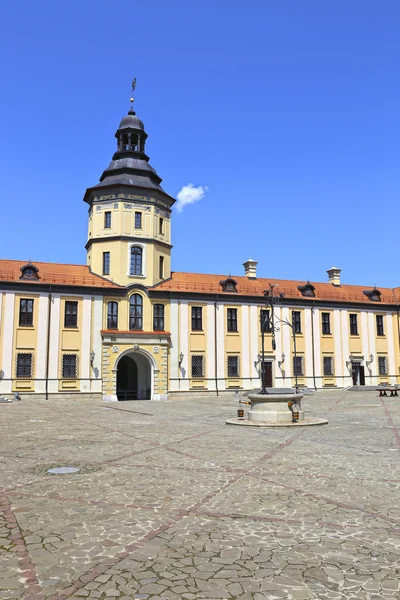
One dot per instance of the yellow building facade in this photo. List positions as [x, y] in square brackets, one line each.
[125, 326]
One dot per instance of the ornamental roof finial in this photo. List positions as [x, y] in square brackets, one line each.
[133, 89]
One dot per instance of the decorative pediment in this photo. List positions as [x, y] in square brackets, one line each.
[228, 285]
[29, 272]
[373, 295]
[307, 289]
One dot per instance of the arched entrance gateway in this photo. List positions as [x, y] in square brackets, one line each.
[134, 377]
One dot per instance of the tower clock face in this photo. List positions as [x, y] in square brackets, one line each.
[29, 272]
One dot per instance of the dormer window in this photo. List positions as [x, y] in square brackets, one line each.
[307, 290]
[373, 295]
[30, 272]
[228, 285]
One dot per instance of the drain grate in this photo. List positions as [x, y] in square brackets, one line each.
[63, 470]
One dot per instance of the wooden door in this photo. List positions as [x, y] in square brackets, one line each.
[362, 375]
[267, 375]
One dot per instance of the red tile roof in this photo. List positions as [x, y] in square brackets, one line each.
[54, 273]
[201, 283]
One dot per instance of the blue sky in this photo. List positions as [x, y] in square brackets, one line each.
[287, 111]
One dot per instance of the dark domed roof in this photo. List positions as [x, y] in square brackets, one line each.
[131, 121]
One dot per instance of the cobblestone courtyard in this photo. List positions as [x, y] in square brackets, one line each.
[172, 503]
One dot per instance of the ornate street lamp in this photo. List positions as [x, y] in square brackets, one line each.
[271, 300]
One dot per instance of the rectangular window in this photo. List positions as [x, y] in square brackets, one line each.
[161, 267]
[379, 325]
[233, 366]
[353, 325]
[24, 365]
[382, 365]
[26, 312]
[232, 319]
[298, 365]
[107, 219]
[161, 226]
[265, 323]
[198, 366]
[326, 323]
[296, 321]
[112, 315]
[69, 364]
[197, 318]
[158, 321]
[138, 220]
[106, 263]
[71, 314]
[328, 365]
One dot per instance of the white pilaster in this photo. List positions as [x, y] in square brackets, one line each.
[8, 330]
[317, 347]
[254, 324]
[337, 333]
[390, 347]
[210, 341]
[245, 366]
[174, 350]
[365, 345]
[278, 352]
[184, 344]
[54, 362]
[287, 347]
[308, 346]
[345, 347]
[96, 372]
[221, 347]
[41, 351]
[372, 366]
[85, 344]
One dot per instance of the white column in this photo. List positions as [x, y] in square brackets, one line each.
[54, 362]
[390, 347]
[372, 366]
[41, 352]
[245, 366]
[317, 347]
[278, 352]
[174, 350]
[308, 346]
[184, 344]
[8, 330]
[96, 371]
[221, 347]
[254, 325]
[85, 344]
[345, 347]
[365, 345]
[210, 340]
[337, 333]
[287, 349]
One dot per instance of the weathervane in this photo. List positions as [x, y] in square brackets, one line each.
[133, 89]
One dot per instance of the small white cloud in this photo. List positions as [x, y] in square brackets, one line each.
[189, 194]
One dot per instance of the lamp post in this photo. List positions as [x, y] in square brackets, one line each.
[271, 299]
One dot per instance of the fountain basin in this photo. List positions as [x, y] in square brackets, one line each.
[273, 408]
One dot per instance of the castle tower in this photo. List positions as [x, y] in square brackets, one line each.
[129, 237]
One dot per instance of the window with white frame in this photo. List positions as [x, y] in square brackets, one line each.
[298, 367]
[24, 365]
[233, 366]
[197, 365]
[136, 312]
[136, 262]
[382, 365]
[328, 365]
[69, 367]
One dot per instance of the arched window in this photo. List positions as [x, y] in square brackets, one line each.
[136, 312]
[158, 321]
[112, 315]
[136, 260]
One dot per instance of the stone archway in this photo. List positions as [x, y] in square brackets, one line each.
[134, 376]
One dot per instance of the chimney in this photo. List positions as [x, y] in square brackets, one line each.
[250, 268]
[334, 275]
